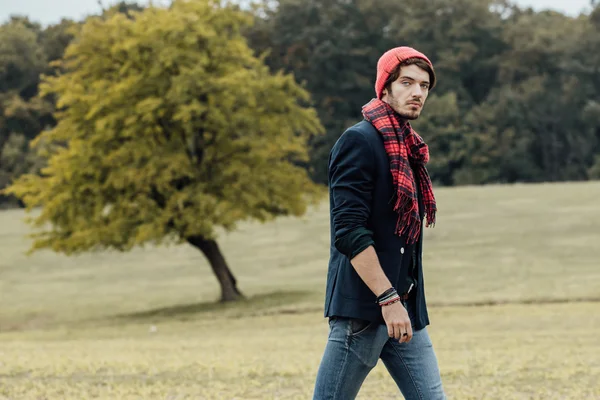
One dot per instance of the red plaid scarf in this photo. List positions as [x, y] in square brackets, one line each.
[404, 147]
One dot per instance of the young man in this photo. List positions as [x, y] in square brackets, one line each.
[380, 192]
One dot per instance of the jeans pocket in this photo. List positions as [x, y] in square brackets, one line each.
[358, 326]
[331, 322]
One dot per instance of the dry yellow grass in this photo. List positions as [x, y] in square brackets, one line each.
[142, 325]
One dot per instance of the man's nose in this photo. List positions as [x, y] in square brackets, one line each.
[417, 92]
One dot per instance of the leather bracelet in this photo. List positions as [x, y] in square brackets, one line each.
[385, 294]
[390, 299]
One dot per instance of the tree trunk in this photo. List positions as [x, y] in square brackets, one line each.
[210, 248]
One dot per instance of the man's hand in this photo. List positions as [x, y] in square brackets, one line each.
[397, 321]
[395, 316]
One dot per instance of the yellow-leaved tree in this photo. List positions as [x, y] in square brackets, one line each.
[169, 127]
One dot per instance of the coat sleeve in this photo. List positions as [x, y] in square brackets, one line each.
[351, 180]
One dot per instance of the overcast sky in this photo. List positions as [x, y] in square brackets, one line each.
[51, 11]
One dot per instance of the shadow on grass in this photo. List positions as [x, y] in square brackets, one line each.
[278, 303]
[260, 304]
[538, 301]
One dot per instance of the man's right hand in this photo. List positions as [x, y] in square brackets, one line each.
[397, 321]
[395, 316]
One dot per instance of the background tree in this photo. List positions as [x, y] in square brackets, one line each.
[26, 52]
[517, 95]
[22, 115]
[173, 129]
[533, 126]
[332, 47]
[586, 56]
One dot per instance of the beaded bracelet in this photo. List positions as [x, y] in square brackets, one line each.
[390, 302]
[390, 296]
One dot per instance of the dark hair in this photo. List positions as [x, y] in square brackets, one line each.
[419, 62]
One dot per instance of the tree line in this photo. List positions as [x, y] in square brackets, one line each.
[518, 98]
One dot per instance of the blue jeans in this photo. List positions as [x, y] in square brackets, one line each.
[355, 346]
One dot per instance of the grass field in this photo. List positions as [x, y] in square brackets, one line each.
[512, 279]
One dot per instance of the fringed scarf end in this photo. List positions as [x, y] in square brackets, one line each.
[430, 215]
[409, 225]
[402, 203]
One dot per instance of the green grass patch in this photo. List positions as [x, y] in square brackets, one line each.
[512, 276]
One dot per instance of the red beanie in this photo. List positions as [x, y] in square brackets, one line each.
[390, 60]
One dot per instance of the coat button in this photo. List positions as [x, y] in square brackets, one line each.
[401, 250]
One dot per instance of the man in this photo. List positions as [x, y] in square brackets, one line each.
[380, 192]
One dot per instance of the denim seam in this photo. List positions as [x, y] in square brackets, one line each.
[366, 364]
[344, 364]
[409, 372]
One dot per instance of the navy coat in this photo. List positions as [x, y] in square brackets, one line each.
[361, 194]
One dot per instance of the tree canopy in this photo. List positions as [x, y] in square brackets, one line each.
[168, 127]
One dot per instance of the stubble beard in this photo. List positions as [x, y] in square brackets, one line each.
[412, 116]
[396, 106]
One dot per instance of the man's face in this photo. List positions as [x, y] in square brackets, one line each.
[408, 92]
